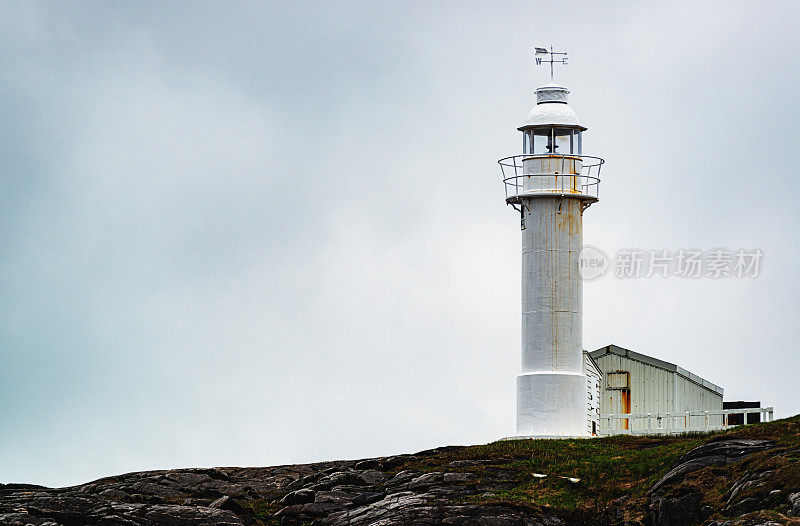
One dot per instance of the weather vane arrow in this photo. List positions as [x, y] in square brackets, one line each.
[541, 54]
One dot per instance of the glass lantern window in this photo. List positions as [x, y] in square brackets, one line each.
[542, 140]
[563, 141]
[559, 141]
[527, 142]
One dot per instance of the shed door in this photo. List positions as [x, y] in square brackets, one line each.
[618, 387]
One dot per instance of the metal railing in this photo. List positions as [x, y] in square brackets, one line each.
[564, 177]
[677, 422]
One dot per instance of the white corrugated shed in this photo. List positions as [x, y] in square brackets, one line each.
[593, 379]
[636, 383]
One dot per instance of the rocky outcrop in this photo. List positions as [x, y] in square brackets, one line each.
[369, 491]
[717, 483]
[714, 453]
[669, 509]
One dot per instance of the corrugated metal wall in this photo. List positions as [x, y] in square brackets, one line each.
[692, 397]
[651, 387]
[594, 378]
[652, 390]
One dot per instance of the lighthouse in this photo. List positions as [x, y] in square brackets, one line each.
[551, 184]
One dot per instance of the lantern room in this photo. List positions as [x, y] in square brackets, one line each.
[552, 159]
[552, 127]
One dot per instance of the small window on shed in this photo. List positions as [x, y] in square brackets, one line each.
[618, 380]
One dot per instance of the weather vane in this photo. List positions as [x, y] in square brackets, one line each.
[541, 54]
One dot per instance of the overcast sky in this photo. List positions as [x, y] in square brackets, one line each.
[254, 234]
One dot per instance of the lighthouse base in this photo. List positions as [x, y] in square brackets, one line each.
[551, 405]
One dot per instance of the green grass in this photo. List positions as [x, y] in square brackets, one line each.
[264, 510]
[608, 468]
[618, 467]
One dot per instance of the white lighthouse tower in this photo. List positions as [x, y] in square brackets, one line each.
[551, 184]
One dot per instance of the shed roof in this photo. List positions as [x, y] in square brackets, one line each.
[655, 362]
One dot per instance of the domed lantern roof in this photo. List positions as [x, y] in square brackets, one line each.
[552, 109]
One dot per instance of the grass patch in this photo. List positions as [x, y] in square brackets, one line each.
[620, 468]
[611, 468]
[608, 469]
[264, 510]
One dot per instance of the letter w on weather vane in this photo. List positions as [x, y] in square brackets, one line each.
[541, 54]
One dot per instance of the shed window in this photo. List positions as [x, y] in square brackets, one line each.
[618, 380]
